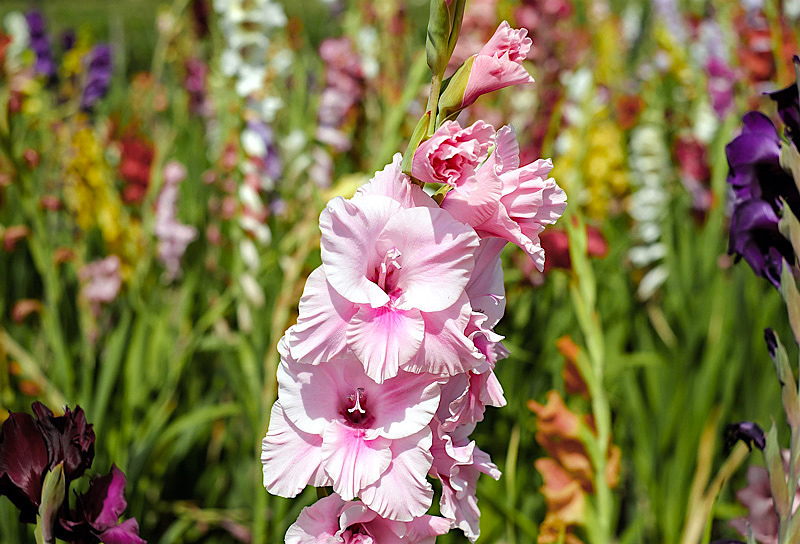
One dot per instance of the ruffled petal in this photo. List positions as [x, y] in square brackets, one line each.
[352, 462]
[385, 338]
[290, 457]
[403, 493]
[436, 257]
[349, 230]
[319, 334]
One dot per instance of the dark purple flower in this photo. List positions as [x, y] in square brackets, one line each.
[759, 183]
[68, 39]
[98, 76]
[755, 237]
[96, 517]
[748, 432]
[69, 439]
[23, 464]
[40, 44]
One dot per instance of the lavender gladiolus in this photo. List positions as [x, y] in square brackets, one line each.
[98, 77]
[40, 43]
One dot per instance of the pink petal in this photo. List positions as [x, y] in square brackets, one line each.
[310, 395]
[452, 154]
[317, 523]
[485, 288]
[425, 529]
[507, 149]
[436, 257]
[352, 462]
[477, 201]
[319, 334]
[507, 40]
[291, 458]
[355, 512]
[490, 74]
[349, 230]
[393, 183]
[403, 493]
[385, 338]
[446, 351]
[403, 405]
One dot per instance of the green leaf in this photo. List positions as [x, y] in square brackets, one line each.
[792, 298]
[416, 138]
[53, 491]
[791, 405]
[777, 475]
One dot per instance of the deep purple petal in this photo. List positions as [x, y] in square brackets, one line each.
[755, 237]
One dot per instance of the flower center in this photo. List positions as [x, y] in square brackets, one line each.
[355, 410]
[385, 271]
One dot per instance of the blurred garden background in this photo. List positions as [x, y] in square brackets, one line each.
[162, 171]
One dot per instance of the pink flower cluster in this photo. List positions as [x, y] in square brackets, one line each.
[390, 365]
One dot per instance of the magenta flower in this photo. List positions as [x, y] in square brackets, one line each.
[333, 520]
[391, 285]
[333, 425]
[96, 518]
[496, 66]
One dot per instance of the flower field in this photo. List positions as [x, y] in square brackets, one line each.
[349, 271]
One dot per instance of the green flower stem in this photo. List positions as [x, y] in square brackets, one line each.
[433, 103]
[583, 289]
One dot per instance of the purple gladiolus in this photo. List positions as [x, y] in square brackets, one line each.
[759, 184]
[98, 76]
[40, 44]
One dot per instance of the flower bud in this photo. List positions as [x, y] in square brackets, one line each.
[497, 65]
[444, 24]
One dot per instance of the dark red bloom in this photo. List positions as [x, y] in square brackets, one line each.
[134, 167]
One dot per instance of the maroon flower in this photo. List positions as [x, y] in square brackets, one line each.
[30, 448]
[69, 439]
[23, 463]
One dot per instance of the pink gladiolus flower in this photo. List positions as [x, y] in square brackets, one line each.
[391, 285]
[452, 154]
[101, 280]
[507, 201]
[496, 66]
[333, 520]
[173, 236]
[458, 463]
[757, 498]
[333, 425]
